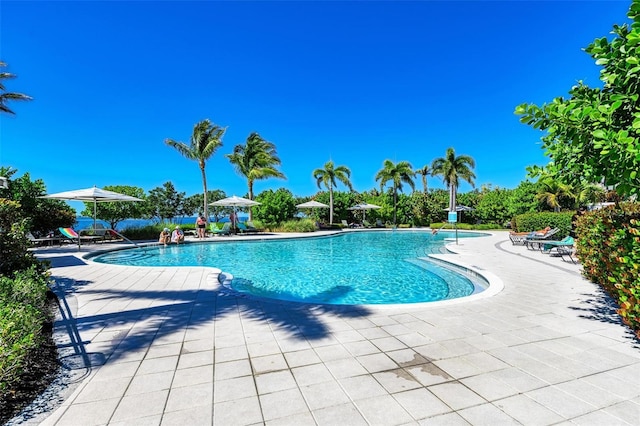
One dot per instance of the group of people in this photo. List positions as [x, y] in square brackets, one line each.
[176, 237]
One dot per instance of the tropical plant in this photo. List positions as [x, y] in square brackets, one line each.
[257, 159]
[275, 206]
[554, 193]
[205, 140]
[5, 96]
[328, 176]
[594, 134]
[164, 203]
[397, 173]
[424, 171]
[454, 168]
[116, 212]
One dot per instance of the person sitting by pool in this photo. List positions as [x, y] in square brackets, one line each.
[177, 236]
[165, 236]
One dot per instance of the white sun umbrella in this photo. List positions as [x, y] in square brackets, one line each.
[235, 202]
[313, 204]
[364, 207]
[94, 194]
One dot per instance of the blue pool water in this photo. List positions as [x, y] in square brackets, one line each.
[377, 267]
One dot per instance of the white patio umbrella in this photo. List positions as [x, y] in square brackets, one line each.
[97, 195]
[364, 207]
[235, 202]
[313, 204]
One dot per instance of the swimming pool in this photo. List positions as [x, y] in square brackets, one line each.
[350, 268]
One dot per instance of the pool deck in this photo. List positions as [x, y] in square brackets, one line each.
[168, 346]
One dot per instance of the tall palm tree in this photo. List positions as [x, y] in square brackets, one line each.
[399, 173]
[424, 172]
[453, 169]
[8, 96]
[327, 176]
[205, 140]
[256, 160]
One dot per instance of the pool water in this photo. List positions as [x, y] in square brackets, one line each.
[352, 268]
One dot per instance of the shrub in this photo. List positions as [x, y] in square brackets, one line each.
[608, 246]
[533, 221]
[22, 314]
[303, 225]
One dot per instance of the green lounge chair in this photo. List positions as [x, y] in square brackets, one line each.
[226, 229]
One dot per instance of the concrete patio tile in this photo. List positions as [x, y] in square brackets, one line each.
[628, 411]
[359, 348]
[449, 419]
[560, 402]
[323, 341]
[97, 390]
[231, 369]
[613, 384]
[294, 420]
[241, 411]
[229, 341]
[268, 363]
[406, 357]
[429, 374]
[361, 387]
[275, 381]
[420, 403]
[158, 365]
[322, 395]
[377, 362]
[347, 336]
[195, 359]
[342, 368]
[232, 353]
[116, 370]
[90, 413]
[301, 358]
[293, 344]
[589, 393]
[457, 367]
[200, 415]
[344, 414]
[373, 333]
[382, 410]
[150, 382]
[518, 379]
[397, 380]
[231, 389]
[332, 352]
[155, 420]
[414, 339]
[282, 404]
[456, 395]
[390, 343]
[160, 351]
[199, 345]
[397, 329]
[523, 409]
[544, 371]
[183, 398]
[489, 386]
[193, 376]
[263, 349]
[311, 374]
[134, 407]
[487, 414]
[598, 418]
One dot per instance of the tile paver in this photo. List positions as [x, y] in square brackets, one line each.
[548, 349]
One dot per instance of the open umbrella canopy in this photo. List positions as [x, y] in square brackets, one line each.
[311, 204]
[235, 201]
[364, 207]
[462, 209]
[95, 194]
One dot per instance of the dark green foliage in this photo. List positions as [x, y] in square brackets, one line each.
[276, 206]
[149, 232]
[116, 212]
[304, 225]
[164, 203]
[609, 249]
[13, 241]
[534, 221]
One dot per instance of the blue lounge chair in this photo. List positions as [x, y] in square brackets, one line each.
[244, 229]
[226, 229]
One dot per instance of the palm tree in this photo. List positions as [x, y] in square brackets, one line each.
[9, 96]
[551, 192]
[327, 176]
[453, 169]
[255, 160]
[424, 172]
[205, 140]
[399, 173]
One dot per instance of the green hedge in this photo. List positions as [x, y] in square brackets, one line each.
[608, 247]
[534, 221]
[466, 226]
[22, 314]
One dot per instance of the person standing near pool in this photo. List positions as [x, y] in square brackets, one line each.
[201, 224]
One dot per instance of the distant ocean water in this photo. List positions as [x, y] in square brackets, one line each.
[83, 222]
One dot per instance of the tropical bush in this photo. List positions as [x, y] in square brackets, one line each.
[608, 246]
[534, 221]
[303, 225]
[276, 206]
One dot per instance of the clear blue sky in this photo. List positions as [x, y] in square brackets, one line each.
[357, 82]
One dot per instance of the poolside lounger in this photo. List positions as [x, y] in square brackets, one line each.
[536, 242]
[41, 241]
[244, 229]
[550, 245]
[252, 227]
[226, 229]
[71, 235]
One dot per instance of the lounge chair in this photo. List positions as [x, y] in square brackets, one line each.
[70, 234]
[98, 231]
[568, 252]
[252, 227]
[367, 224]
[226, 229]
[244, 229]
[379, 224]
[565, 242]
[518, 238]
[535, 242]
[41, 241]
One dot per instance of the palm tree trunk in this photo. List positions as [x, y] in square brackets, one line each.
[330, 204]
[250, 183]
[452, 198]
[204, 185]
[395, 206]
